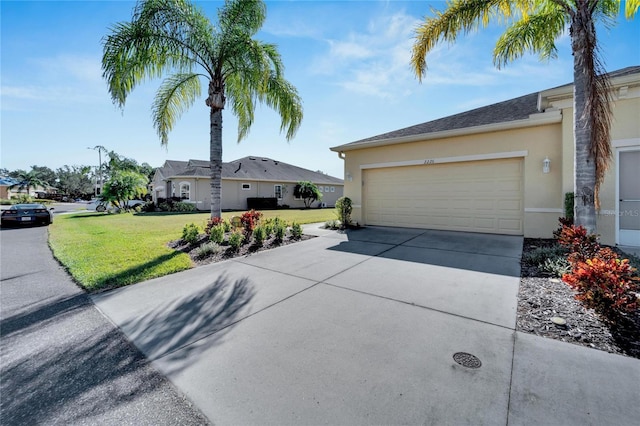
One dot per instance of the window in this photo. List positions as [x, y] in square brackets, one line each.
[246, 187]
[320, 188]
[277, 190]
[185, 191]
[326, 189]
[333, 189]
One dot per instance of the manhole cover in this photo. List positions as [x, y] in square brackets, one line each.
[467, 360]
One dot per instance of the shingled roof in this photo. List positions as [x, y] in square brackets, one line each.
[502, 112]
[513, 109]
[248, 168]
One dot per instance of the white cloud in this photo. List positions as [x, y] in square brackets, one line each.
[372, 62]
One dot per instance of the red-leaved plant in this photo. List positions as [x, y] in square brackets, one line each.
[249, 221]
[601, 279]
[604, 283]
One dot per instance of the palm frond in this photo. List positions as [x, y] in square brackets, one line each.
[163, 36]
[176, 94]
[631, 8]
[534, 33]
[460, 17]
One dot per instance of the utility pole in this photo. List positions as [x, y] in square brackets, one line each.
[99, 148]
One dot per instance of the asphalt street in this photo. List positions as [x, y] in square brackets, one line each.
[61, 360]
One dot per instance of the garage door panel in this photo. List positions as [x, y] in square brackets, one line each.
[481, 196]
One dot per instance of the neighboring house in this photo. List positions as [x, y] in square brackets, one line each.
[7, 192]
[502, 168]
[249, 177]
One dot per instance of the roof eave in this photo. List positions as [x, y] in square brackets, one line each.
[541, 119]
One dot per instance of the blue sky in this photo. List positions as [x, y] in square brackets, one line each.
[348, 59]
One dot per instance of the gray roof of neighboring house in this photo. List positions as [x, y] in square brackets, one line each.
[249, 168]
[510, 110]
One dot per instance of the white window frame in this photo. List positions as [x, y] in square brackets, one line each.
[326, 189]
[275, 192]
[248, 188]
[320, 189]
[333, 189]
[182, 185]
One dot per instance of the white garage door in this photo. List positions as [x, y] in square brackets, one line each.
[475, 196]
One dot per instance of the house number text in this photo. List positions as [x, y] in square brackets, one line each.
[429, 161]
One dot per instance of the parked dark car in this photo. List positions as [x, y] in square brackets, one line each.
[26, 214]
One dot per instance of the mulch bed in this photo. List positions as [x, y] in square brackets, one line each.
[226, 252]
[542, 297]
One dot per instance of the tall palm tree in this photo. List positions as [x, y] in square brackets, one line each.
[174, 37]
[534, 26]
[28, 180]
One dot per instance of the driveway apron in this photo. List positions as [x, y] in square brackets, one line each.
[352, 328]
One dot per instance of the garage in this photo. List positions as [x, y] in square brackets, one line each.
[475, 196]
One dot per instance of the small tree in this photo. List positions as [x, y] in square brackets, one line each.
[123, 186]
[343, 210]
[308, 191]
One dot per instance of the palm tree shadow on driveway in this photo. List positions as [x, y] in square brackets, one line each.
[182, 329]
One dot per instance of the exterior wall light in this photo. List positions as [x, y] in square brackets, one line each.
[349, 177]
[546, 165]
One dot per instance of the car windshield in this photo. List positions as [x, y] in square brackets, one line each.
[27, 206]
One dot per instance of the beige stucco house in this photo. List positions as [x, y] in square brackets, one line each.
[248, 177]
[503, 168]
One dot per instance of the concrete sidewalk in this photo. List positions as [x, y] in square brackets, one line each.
[361, 328]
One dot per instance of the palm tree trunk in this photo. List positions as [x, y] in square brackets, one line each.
[215, 158]
[582, 39]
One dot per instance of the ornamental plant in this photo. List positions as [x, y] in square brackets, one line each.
[296, 231]
[216, 233]
[601, 279]
[259, 235]
[581, 244]
[235, 240]
[249, 221]
[190, 233]
[214, 221]
[605, 283]
[343, 210]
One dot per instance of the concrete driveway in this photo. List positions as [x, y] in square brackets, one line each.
[362, 328]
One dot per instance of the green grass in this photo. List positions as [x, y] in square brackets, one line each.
[104, 251]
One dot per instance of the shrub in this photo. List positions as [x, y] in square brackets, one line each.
[333, 224]
[279, 229]
[211, 222]
[259, 235]
[148, 207]
[207, 249]
[539, 255]
[183, 207]
[227, 226]
[250, 220]
[557, 266]
[568, 206]
[604, 283]
[216, 233]
[343, 210]
[190, 233]
[235, 240]
[268, 227]
[581, 245]
[24, 198]
[296, 231]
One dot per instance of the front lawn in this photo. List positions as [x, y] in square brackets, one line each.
[104, 251]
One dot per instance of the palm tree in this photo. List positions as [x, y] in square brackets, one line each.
[534, 26]
[28, 180]
[175, 37]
